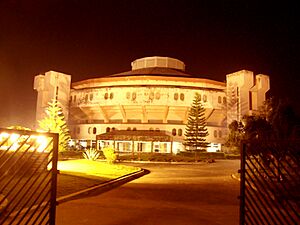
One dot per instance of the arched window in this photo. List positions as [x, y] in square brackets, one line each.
[151, 96]
[86, 98]
[94, 130]
[134, 128]
[174, 132]
[106, 95]
[128, 95]
[157, 95]
[111, 96]
[71, 98]
[224, 100]
[107, 129]
[89, 130]
[91, 97]
[128, 128]
[176, 96]
[215, 133]
[219, 99]
[204, 98]
[133, 96]
[220, 133]
[151, 128]
[179, 132]
[181, 96]
[113, 129]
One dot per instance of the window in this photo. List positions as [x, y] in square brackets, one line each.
[107, 129]
[134, 128]
[224, 100]
[219, 99]
[151, 96]
[111, 96]
[133, 96]
[71, 98]
[220, 133]
[174, 132]
[128, 128]
[86, 98]
[179, 132]
[157, 95]
[128, 95]
[151, 129]
[91, 97]
[113, 129]
[176, 96]
[204, 98]
[74, 98]
[215, 133]
[181, 96]
[106, 95]
[94, 130]
[89, 130]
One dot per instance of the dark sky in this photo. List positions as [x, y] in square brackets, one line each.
[89, 39]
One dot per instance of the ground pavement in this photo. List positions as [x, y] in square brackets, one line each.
[184, 194]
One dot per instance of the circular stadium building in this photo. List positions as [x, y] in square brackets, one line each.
[146, 108]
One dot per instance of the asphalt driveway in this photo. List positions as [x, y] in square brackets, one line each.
[174, 194]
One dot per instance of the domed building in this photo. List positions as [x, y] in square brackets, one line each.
[146, 108]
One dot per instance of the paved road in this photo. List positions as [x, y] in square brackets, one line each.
[170, 194]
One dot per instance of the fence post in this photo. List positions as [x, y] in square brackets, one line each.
[54, 180]
[242, 183]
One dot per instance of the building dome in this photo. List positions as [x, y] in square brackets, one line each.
[155, 66]
[158, 61]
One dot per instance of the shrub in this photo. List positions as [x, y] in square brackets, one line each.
[109, 154]
[91, 154]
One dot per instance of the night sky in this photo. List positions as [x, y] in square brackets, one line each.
[89, 39]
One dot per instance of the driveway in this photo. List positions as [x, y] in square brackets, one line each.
[184, 194]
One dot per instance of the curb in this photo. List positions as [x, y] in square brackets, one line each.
[103, 187]
[235, 177]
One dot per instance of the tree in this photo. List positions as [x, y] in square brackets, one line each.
[55, 122]
[235, 134]
[196, 131]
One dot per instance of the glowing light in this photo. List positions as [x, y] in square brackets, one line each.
[14, 137]
[42, 143]
[71, 143]
[4, 135]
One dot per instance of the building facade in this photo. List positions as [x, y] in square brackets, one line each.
[155, 95]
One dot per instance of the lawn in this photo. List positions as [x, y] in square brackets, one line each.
[94, 169]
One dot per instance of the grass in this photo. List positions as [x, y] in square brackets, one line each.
[94, 169]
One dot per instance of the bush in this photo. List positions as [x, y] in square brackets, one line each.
[109, 154]
[91, 154]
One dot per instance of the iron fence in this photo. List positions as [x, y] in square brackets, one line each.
[28, 177]
[270, 183]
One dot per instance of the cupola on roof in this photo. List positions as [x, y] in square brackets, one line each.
[157, 61]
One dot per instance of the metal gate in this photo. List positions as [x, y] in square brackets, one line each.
[28, 177]
[270, 183]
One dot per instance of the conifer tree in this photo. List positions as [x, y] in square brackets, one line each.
[196, 131]
[55, 122]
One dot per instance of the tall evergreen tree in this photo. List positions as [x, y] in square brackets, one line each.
[196, 131]
[55, 122]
